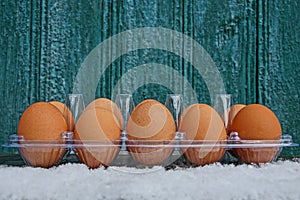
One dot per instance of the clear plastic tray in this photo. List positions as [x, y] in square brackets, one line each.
[95, 153]
[67, 141]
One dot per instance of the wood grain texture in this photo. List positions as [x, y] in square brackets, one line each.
[254, 44]
[279, 63]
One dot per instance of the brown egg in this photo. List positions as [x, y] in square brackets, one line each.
[232, 113]
[257, 122]
[150, 120]
[97, 124]
[258, 155]
[42, 121]
[66, 113]
[109, 105]
[201, 123]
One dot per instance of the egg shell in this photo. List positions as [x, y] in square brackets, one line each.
[232, 113]
[109, 105]
[150, 120]
[94, 157]
[150, 156]
[257, 122]
[66, 113]
[202, 123]
[42, 121]
[42, 157]
[97, 124]
[257, 155]
[204, 156]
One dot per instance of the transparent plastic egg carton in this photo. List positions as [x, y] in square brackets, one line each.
[96, 153]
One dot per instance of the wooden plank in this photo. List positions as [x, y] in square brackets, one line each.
[227, 30]
[279, 59]
[15, 64]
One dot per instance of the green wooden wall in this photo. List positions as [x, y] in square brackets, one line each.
[255, 45]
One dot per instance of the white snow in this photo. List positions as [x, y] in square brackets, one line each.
[280, 180]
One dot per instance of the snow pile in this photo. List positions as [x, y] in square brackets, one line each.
[280, 180]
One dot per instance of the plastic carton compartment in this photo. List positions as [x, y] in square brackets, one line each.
[96, 153]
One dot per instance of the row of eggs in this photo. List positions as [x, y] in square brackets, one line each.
[150, 120]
